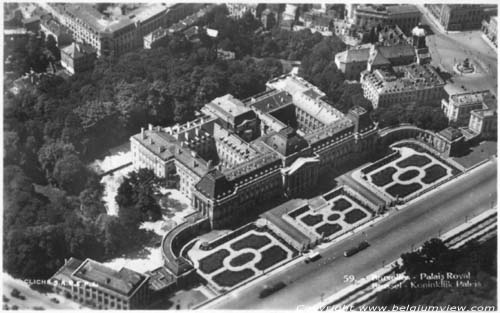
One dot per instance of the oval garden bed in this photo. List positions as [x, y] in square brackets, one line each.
[408, 175]
[242, 259]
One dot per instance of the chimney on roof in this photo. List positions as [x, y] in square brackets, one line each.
[151, 142]
[150, 127]
[143, 135]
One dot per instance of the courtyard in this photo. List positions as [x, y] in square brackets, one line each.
[405, 173]
[235, 258]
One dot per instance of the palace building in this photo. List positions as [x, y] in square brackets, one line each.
[239, 153]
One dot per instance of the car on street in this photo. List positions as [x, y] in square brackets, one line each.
[352, 251]
[269, 290]
[312, 256]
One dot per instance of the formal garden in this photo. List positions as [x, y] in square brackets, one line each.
[406, 172]
[341, 213]
[239, 256]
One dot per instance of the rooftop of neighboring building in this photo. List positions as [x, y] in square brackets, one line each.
[476, 97]
[78, 50]
[404, 78]
[362, 53]
[100, 22]
[54, 26]
[124, 281]
[388, 9]
[391, 35]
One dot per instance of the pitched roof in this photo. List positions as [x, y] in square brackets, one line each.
[377, 58]
[396, 51]
[124, 281]
[78, 50]
[357, 55]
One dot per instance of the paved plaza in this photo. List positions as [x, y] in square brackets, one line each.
[448, 48]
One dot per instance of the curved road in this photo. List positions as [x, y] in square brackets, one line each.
[403, 230]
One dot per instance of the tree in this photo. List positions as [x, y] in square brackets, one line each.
[136, 199]
[50, 153]
[51, 45]
[34, 252]
[70, 173]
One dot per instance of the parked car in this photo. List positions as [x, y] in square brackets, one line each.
[17, 294]
[269, 290]
[312, 256]
[362, 245]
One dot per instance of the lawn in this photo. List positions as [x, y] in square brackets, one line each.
[211, 263]
[333, 217]
[354, 215]
[384, 176]
[341, 205]
[251, 241]
[311, 220]
[403, 190]
[408, 175]
[328, 229]
[242, 259]
[270, 257]
[433, 173]
[231, 278]
[414, 160]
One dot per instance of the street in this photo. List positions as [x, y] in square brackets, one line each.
[400, 232]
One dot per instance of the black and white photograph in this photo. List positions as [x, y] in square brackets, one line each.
[301, 156]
